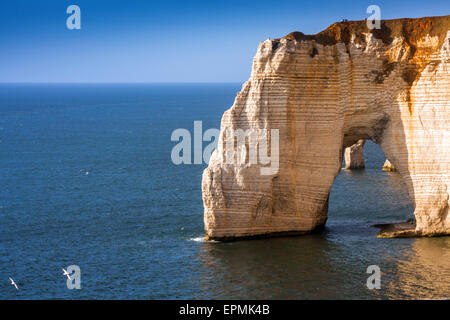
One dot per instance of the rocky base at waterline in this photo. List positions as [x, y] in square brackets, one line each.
[405, 229]
[323, 93]
[293, 233]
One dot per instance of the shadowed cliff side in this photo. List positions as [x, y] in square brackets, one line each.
[323, 93]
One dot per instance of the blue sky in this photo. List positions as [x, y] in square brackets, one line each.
[164, 41]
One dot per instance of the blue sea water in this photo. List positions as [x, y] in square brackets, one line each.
[87, 179]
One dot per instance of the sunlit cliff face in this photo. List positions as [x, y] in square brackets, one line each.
[323, 93]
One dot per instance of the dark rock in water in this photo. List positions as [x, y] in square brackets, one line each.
[398, 229]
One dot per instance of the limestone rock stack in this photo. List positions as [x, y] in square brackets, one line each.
[354, 156]
[323, 93]
[387, 166]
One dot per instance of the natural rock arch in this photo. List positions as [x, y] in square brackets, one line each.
[324, 93]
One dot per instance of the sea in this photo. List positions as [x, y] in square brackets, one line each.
[87, 181]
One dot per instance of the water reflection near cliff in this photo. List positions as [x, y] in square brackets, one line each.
[266, 269]
[423, 272]
[323, 267]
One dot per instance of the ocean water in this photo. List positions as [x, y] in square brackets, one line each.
[87, 179]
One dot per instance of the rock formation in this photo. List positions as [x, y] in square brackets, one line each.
[387, 166]
[354, 156]
[323, 93]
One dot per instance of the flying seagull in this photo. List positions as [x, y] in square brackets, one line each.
[13, 283]
[66, 274]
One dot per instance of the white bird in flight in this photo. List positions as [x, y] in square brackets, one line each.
[13, 283]
[66, 274]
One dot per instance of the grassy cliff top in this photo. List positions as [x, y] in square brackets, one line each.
[410, 29]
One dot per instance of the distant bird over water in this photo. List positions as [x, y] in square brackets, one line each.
[13, 283]
[66, 274]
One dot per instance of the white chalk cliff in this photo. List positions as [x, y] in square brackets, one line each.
[323, 93]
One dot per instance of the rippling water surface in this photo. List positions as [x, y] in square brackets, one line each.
[86, 179]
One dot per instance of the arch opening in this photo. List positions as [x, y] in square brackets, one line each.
[370, 197]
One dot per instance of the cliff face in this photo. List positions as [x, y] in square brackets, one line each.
[323, 93]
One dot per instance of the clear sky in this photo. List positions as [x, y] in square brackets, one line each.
[164, 41]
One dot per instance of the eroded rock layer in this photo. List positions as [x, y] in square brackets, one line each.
[323, 93]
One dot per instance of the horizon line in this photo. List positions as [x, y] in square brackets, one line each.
[131, 82]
